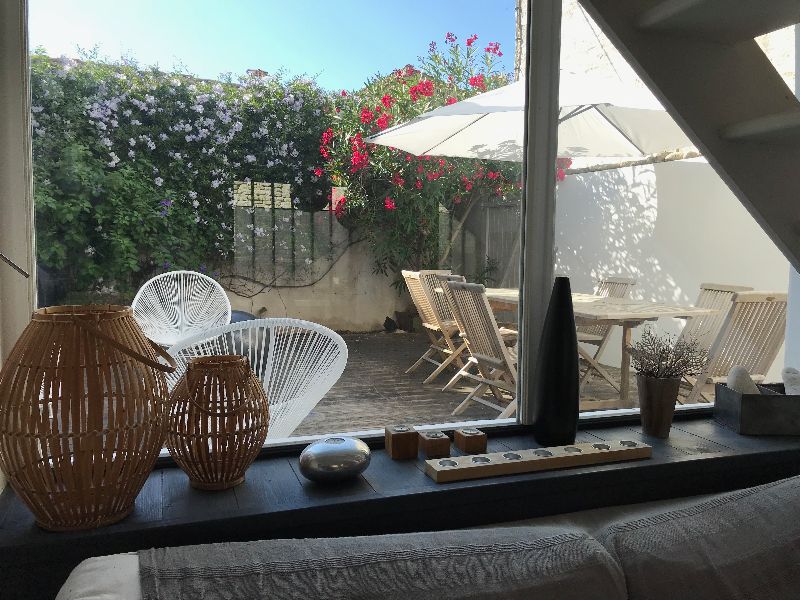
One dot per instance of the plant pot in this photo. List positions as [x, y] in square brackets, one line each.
[657, 398]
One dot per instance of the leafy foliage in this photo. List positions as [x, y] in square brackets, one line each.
[664, 357]
[134, 168]
[392, 198]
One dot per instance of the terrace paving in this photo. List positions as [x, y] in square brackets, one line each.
[374, 390]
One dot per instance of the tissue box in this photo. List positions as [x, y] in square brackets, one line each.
[768, 413]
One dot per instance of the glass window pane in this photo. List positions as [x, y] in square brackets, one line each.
[177, 155]
[647, 232]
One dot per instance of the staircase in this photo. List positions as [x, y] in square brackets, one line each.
[699, 57]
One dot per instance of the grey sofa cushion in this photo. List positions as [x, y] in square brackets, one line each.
[744, 544]
[505, 563]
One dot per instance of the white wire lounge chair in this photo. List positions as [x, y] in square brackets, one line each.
[297, 361]
[751, 336]
[178, 304]
[598, 335]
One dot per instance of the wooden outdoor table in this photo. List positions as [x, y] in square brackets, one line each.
[598, 310]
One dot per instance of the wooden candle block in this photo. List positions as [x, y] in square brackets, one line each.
[470, 440]
[434, 444]
[401, 442]
[461, 468]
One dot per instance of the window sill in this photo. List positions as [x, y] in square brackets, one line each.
[494, 427]
[700, 457]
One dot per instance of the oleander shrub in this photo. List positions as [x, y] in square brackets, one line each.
[392, 198]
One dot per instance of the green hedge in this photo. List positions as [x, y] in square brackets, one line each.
[134, 168]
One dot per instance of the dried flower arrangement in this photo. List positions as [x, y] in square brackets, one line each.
[662, 357]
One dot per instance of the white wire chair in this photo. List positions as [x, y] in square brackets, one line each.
[177, 304]
[297, 362]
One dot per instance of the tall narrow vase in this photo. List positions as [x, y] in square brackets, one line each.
[555, 384]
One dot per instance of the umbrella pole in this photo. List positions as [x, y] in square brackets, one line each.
[651, 159]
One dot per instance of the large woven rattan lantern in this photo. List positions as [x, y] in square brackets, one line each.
[83, 406]
[218, 421]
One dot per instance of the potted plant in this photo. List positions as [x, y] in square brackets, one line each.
[660, 362]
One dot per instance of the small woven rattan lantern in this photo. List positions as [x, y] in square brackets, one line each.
[218, 421]
[83, 407]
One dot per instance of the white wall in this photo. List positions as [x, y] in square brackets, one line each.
[672, 226]
[350, 297]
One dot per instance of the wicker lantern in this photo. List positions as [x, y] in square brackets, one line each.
[83, 406]
[218, 421]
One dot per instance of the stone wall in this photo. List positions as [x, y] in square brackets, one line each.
[262, 194]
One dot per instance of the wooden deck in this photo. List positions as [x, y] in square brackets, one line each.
[374, 390]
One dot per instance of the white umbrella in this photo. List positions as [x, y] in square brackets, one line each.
[598, 118]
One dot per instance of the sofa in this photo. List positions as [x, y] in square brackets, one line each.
[742, 544]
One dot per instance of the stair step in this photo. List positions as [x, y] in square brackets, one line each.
[781, 127]
[725, 21]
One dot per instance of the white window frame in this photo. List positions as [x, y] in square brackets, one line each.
[17, 294]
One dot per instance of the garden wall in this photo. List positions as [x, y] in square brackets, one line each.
[672, 227]
[349, 297]
[303, 264]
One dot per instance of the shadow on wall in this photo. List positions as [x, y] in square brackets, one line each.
[605, 225]
[671, 226]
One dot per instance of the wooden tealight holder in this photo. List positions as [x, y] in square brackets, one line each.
[460, 468]
[470, 440]
[434, 444]
[401, 442]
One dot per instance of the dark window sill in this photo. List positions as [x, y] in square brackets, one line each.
[396, 496]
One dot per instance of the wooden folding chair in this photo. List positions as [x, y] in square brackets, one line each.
[494, 361]
[445, 347]
[705, 329]
[598, 335]
[509, 335]
[751, 336]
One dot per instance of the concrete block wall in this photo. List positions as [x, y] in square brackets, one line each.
[349, 297]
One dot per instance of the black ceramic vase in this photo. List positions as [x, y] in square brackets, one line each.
[555, 384]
